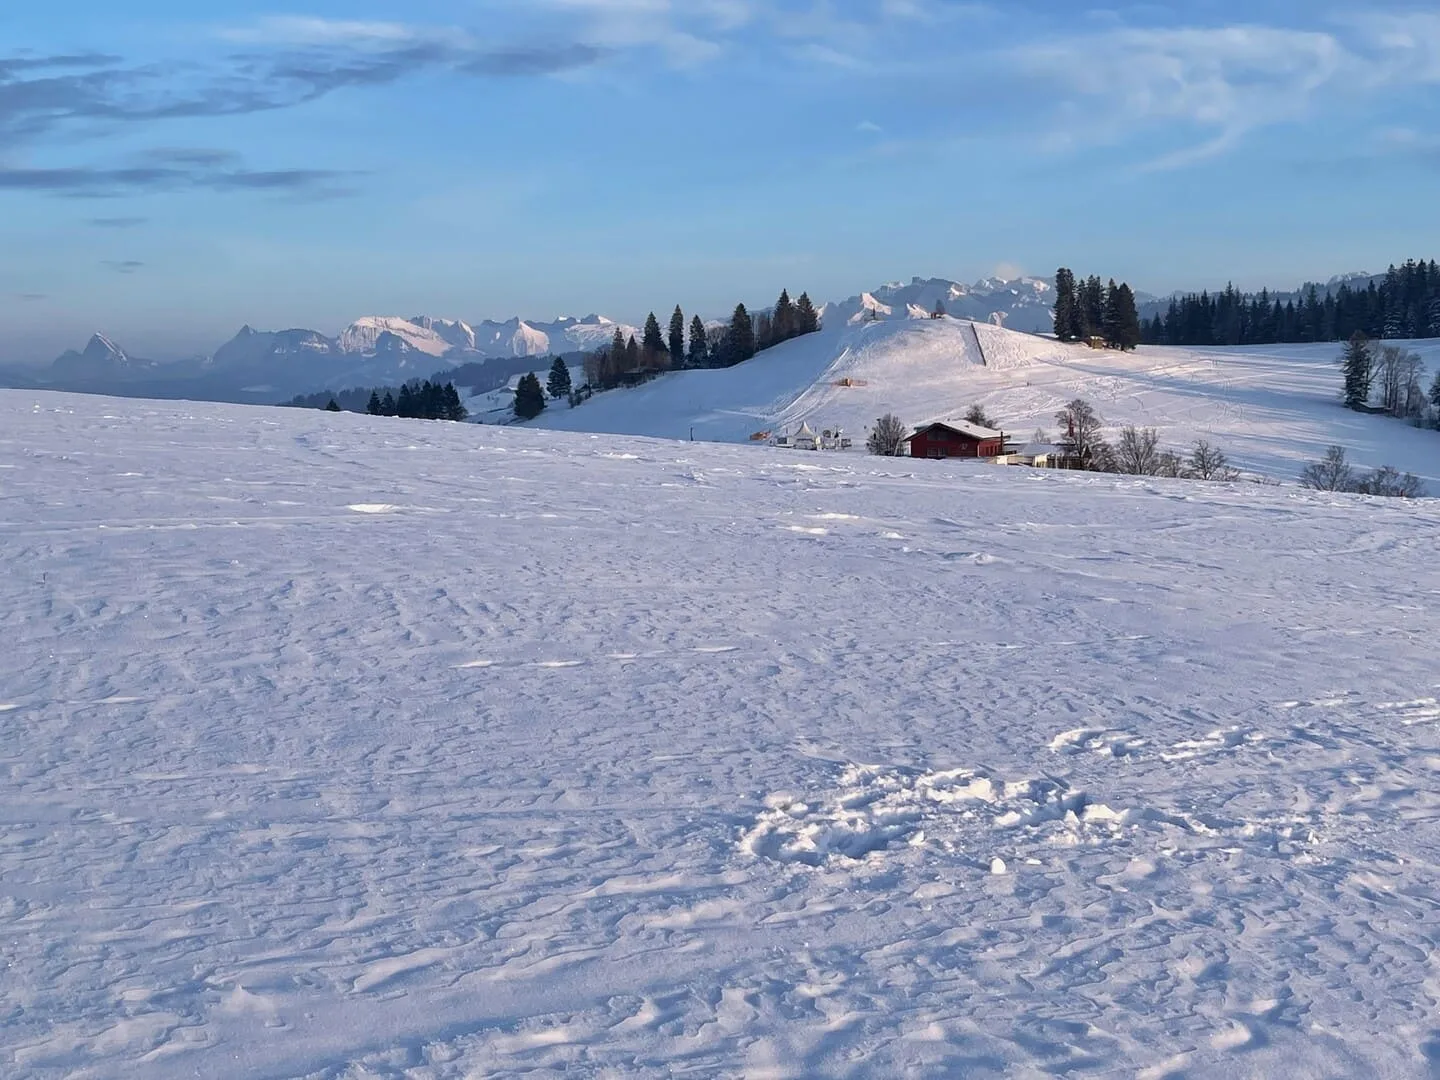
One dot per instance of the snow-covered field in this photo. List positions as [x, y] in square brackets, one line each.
[1270, 409]
[335, 746]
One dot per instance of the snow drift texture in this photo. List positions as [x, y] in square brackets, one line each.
[341, 746]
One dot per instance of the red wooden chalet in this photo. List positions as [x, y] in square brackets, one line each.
[956, 439]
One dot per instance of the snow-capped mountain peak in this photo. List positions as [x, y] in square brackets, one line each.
[101, 348]
[369, 334]
[1022, 303]
[457, 334]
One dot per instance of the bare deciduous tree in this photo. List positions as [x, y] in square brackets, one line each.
[1209, 463]
[1138, 451]
[1399, 373]
[1333, 473]
[1080, 430]
[887, 436]
[976, 415]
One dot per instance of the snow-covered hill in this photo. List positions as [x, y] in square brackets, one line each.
[339, 746]
[1272, 410]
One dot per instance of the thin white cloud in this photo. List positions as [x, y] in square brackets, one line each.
[1221, 84]
[293, 30]
[685, 32]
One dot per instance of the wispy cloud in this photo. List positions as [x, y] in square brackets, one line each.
[293, 30]
[1219, 85]
[99, 182]
[125, 266]
[118, 222]
[286, 62]
[305, 60]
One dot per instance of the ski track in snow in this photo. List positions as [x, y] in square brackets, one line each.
[336, 746]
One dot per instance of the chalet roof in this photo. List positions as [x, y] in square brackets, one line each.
[962, 427]
[1040, 449]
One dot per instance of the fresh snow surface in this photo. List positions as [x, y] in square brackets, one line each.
[337, 747]
[1270, 409]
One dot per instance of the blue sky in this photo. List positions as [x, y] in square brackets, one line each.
[170, 170]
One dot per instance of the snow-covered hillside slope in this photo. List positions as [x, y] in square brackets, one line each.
[1270, 409]
[912, 368]
[335, 746]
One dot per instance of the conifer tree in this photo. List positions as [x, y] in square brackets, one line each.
[559, 383]
[334, 406]
[632, 355]
[373, 408]
[388, 406]
[1067, 310]
[807, 319]
[1127, 318]
[454, 409]
[699, 346]
[613, 363]
[1435, 397]
[782, 322]
[1358, 364]
[740, 340]
[1110, 316]
[677, 338]
[653, 343]
[405, 403]
[529, 398]
[1092, 307]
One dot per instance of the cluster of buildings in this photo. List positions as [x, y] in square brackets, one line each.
[807, 439]
[942, 439]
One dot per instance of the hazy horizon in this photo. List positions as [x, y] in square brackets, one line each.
[170, 177]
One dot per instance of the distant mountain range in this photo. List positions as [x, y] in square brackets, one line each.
[1022, 304]
[276, 365]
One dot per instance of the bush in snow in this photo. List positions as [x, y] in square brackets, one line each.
[1389, 481]
[976, 415]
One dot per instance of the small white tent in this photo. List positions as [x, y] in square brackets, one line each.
[805, 438]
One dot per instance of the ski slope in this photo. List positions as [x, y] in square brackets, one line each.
[337, 746]
[1271, 410]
